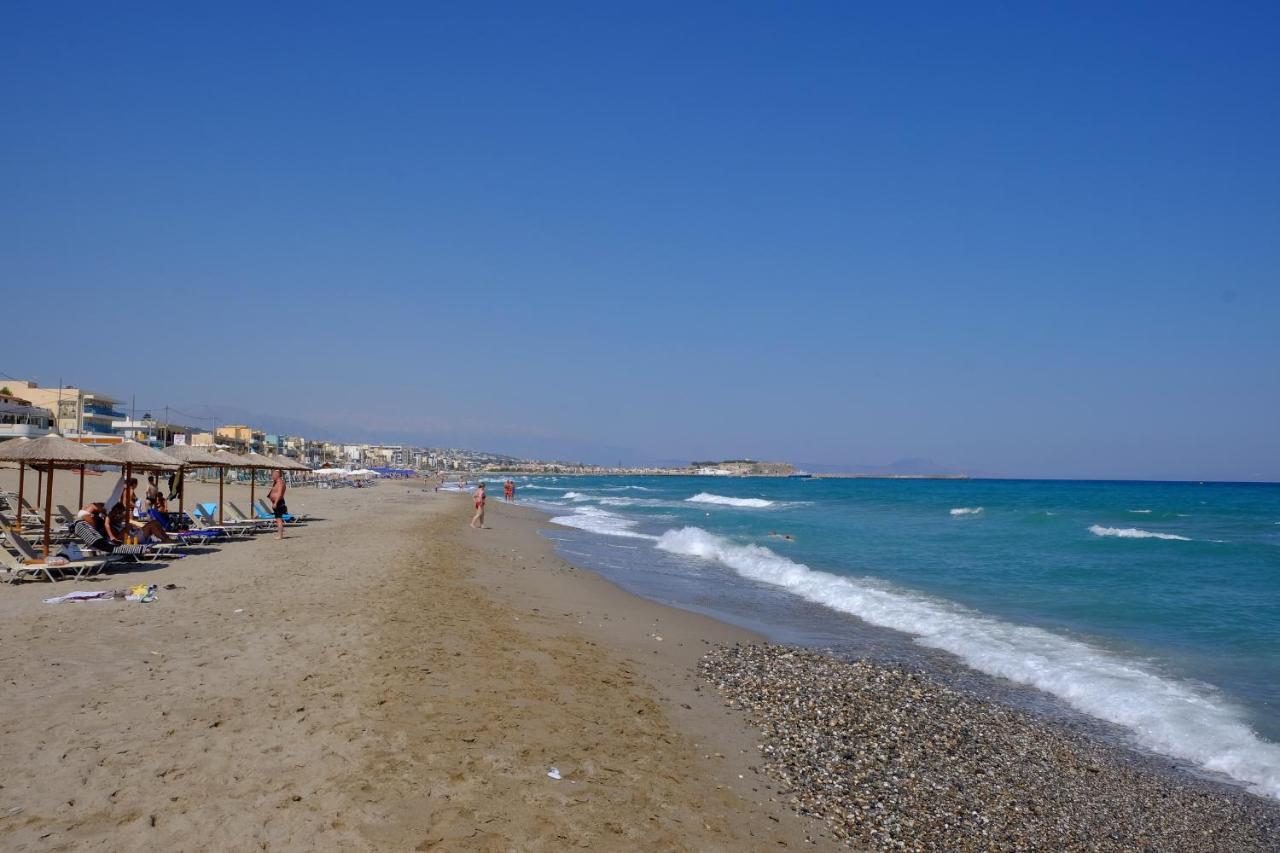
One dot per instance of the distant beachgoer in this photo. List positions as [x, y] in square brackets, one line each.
[155, 497]
[477, 520]
[513, 491]
[276, 498]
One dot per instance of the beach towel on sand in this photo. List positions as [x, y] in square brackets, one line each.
[144, 593]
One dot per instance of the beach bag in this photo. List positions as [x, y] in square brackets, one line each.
[71, 551]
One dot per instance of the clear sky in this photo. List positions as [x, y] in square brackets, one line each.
[1012, 240]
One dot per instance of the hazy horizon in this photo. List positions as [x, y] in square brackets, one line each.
[1018, 242]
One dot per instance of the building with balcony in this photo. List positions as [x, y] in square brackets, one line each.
[240, 438]
[81, 414]
[20, 419]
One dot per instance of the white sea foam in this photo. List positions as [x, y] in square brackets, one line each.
[966, 510]
[1134, 533]
[1141, 511]
[707, 498]
[595, 520]
[1163, 714]
[575, 496]
[547, 488]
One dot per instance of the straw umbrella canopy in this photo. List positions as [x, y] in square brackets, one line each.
[140, 456]
[56, 452]
[194, 457]
[285, 463]
[132, 455]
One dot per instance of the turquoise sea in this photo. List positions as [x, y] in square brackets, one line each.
[1152, 607]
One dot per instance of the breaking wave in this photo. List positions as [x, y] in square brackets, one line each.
[966, 510]
[1134, 533]
[721, 500]
[600, 521]
[1165, 715]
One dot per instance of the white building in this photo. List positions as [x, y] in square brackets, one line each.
[20, 419]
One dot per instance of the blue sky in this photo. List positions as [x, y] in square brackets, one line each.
[1016, 241]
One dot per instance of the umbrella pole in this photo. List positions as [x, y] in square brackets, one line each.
[48, 513]
[22, 476]
[253, 484]
[182, 492]
[39, 485]
[221, 472]
[81, 503]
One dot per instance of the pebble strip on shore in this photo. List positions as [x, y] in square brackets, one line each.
[893, 760]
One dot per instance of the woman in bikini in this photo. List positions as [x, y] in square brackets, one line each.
[477, 520]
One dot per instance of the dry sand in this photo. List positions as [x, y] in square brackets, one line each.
[384, 679]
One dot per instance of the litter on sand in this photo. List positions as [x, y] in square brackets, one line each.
[554, 773]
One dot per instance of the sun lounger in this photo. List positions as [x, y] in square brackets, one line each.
[263, 510]
[183, 535]
[13, 570]
[34, 527]
[258, 523]
[81, 568]
[206, 518]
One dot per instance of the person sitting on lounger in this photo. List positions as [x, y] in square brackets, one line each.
[90, 528]
[119, 528]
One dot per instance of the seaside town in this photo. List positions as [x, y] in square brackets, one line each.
[91, 417]
[94, 418]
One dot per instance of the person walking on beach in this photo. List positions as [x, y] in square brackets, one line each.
[276, 497]
[477, 520]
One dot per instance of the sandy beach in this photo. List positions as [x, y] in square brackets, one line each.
[383, 679]
[387, 678]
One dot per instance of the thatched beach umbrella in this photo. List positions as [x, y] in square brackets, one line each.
[55, 452]
[192, 457]
[132, 455]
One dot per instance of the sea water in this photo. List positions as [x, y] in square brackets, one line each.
[1152, 607]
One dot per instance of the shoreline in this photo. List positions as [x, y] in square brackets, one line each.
[1094, 742]
[388, 678]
